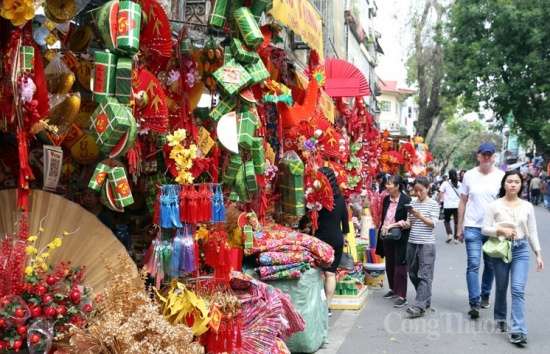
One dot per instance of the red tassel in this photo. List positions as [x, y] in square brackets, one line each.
[134, 159]
[25, 171]
[156, 209]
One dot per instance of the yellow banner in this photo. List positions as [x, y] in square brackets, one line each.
[303, 18]
[327, 106]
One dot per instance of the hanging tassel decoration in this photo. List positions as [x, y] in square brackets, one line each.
[25, 171]
[188, 255]
[218, 207]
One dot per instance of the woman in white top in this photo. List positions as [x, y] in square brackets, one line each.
[450, 196]
[514, 219]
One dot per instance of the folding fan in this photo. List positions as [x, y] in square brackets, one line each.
[153, 113]
[156, 36]
[343, 79]
[93, 245]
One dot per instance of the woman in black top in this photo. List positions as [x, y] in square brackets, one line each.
[333, 225]
[394, 214]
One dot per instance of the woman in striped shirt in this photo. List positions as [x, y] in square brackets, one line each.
[423, 216]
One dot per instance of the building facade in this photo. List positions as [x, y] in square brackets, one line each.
[398, 110]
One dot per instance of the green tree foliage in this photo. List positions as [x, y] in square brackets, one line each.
[498, 56]
[457, 141]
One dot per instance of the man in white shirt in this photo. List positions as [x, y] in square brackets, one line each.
[480, 187]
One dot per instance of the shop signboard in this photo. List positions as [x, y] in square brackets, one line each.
[302, 18]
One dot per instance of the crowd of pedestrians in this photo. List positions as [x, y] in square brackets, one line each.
[490, 214]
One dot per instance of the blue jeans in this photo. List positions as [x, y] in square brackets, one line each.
[474, 241]
[519, 268]
[547, 201]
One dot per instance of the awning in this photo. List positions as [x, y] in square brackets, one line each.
[344, 79]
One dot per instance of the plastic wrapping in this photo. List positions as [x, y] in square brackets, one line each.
[307, 295]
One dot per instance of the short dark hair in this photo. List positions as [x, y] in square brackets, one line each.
[502, 191]
[423, 181]
[396, 180]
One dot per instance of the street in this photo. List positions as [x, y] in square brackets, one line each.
[379, 328]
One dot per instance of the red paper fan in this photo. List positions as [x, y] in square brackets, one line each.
[156, 38]
[154, 114]
[343, 79]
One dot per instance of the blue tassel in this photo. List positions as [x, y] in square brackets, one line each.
[165, 221]
[187, 264]
[218, 212]
[175, 202]
[175, 261]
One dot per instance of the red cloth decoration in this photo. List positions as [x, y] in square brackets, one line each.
[155, 40]
[292, 116]
[154, 115]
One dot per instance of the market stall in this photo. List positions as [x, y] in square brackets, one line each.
[130, 142]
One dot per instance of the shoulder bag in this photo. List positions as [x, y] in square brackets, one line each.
[393, 234]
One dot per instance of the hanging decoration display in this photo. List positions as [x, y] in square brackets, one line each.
[196, 148]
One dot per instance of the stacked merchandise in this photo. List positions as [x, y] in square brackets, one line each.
[283, 253]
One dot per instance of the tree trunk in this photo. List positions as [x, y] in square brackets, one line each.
[429, 81]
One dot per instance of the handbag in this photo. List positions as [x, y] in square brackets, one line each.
[393, 234]
[497, 247]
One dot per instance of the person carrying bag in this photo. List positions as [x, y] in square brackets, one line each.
[392, 240]
[511, 226]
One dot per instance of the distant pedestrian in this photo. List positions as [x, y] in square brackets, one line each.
[423, 216]
[450, 196]
[535, 186]
[394, 249]
[546, 192]
[479, 188]
[461, 175]
[512, 218]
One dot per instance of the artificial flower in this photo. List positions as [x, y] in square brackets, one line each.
[176, 137]
[55, 243]
[29, 270]
[17, 11]
[30, 250]
[32, 238]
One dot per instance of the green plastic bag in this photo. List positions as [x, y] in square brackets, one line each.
[308, 297]
[498, 248]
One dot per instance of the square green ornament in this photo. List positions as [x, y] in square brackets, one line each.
[258, 155]
[123, 91]
[232, 77]
[248, 121]
[226, 105]
[120, 187]
[250, 176]
[292, 184]
[104, 75]
[235, 163]
[217, 16]
[242, 54]
[129, 25]
[99, 177]
[257, 71]
[109, 122]
[248, 27]
[27, 58]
